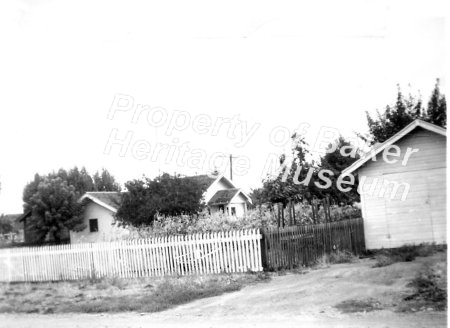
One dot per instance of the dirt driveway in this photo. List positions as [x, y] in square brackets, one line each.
[292, 300]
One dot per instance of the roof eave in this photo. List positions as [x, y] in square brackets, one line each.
[396, 137]
[98, 202]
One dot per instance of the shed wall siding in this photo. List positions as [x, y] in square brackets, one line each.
[107, 230]
[422, 216]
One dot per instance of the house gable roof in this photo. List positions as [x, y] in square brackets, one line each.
[204, 180]
[223, 197]
[109, 200]
[392, 140]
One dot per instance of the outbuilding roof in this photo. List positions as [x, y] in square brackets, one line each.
[392, 140]
[110, 200]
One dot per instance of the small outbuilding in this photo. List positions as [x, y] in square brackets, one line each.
[402, 183]
[98, 218]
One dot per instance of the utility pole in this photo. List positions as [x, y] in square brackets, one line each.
[231, 167]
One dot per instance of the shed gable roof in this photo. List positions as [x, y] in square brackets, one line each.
[392, 140]
[110, 200]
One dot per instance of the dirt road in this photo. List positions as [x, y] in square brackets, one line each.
[305, 300]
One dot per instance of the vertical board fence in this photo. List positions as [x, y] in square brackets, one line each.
[290, 247]
[231, 251]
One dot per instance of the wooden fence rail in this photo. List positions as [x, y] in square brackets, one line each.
[286, 248]
[231, 251]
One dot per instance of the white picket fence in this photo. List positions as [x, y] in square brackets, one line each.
[231, 251]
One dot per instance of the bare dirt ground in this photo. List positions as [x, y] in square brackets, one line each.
[306, 300]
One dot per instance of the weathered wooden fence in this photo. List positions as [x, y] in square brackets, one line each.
[302, 245]
[232, 251]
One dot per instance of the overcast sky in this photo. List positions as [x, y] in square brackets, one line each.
[275, 64]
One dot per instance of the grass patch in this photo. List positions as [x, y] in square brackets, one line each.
[429, 292]
[342, 257]
[169, 293]
[354, 306]
[120, 295]
[407, 253]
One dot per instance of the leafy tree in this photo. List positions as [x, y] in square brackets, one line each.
[405, 110]
[294, 181]
[104, 181]
[55, 208]
[165, 195]
[336, 162]
[6, 226]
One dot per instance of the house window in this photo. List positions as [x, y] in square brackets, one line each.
[233, 211]
[221, 208]
[93, 225]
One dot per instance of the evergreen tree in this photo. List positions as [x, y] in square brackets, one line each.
[437, 107]
[104, 181]
[404, 111]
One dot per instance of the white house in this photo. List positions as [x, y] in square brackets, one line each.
[403, 197]
[98, 218]
[221, 195]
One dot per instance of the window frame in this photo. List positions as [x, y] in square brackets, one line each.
[91, 226]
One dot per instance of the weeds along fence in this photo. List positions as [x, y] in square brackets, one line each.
[232, 251]
[287, 248]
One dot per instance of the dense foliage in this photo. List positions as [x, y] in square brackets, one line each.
[185, 224]
[255, 219]
[165, 195]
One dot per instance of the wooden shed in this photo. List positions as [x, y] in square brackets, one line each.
[403, 188]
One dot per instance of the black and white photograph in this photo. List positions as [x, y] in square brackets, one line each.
[223, 163]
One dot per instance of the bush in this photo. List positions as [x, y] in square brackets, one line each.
[181, 225]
